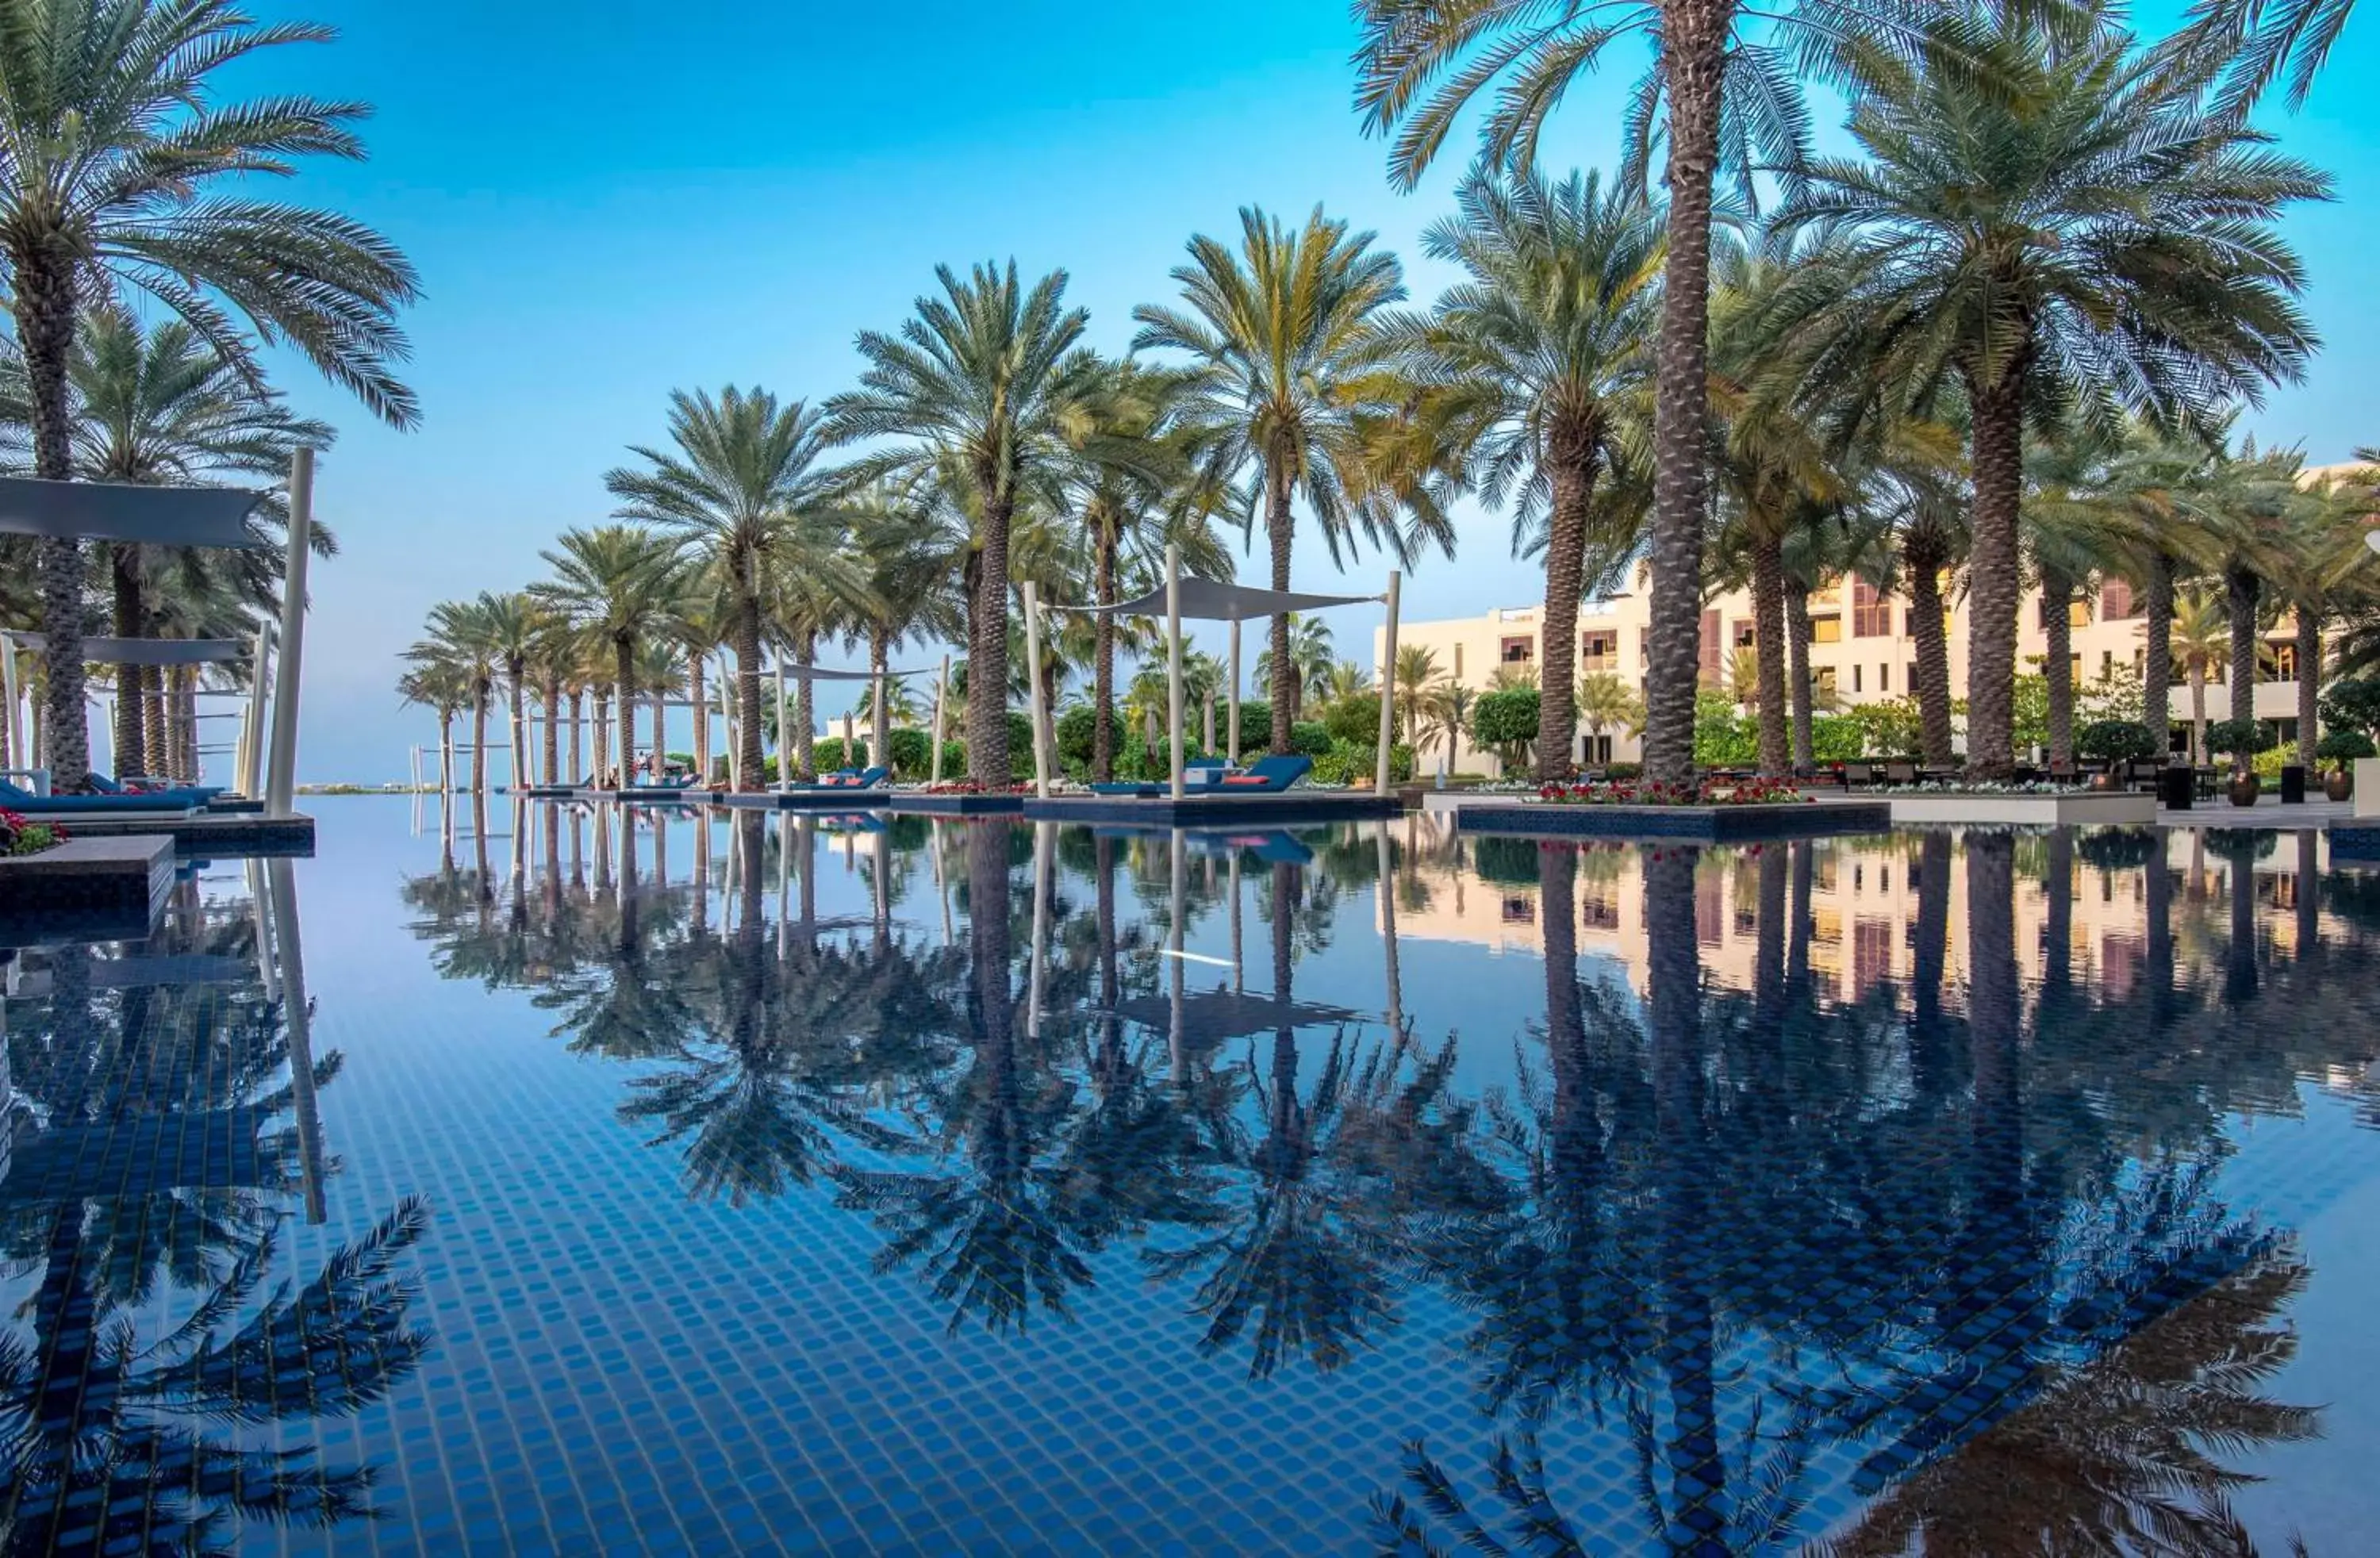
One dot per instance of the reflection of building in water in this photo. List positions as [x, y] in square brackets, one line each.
[1865, 922]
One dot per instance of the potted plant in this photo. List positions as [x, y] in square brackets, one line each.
[2116, 743]
[2340, 749]
[2240, 740]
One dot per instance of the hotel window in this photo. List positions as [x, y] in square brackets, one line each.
[1871, 954]
[1713, 652]
[2078, 614]
[1884, 677]
[1855, 679]
[2115, 602]
[1517, 652]
[1826, 630]
[1518, 910]
[2284, 663]
[1600, 648]
[1912, 683]
[1871, 613]
[1458, 663]
[1710, 908]
[1598, 912]
[1744, 635]
[1599, 749]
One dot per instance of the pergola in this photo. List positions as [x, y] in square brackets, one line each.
[1210, 599]
[203, 517]
[147, 652]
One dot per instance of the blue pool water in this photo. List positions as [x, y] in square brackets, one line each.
[555, 1182]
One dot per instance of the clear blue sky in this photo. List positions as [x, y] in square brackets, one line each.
[607, 200]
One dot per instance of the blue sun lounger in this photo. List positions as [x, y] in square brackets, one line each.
[1267, 776]
[871, 778]
[1198, 774]
[147, 803]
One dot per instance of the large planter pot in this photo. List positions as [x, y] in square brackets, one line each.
[2103, 780]
[2244, 788]
[2337, 784]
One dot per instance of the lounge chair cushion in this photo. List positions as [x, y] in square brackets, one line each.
[1270, 775]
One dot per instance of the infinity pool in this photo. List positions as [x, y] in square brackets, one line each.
[543, 1180]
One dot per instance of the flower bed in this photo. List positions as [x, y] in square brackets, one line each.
[1741, 792]
[22, 837]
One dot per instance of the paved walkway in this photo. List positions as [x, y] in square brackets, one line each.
[2269, 812]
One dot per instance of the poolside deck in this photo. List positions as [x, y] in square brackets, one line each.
[952, 805]
[212, 833]
[1193, 811]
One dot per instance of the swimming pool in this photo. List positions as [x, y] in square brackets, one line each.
[528, 1179]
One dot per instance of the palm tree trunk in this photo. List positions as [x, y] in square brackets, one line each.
[131, 744]
[2309, 684]
[1570, 467]
[169, 759]
[1992, 591]
[751, 753]
[602, 734]
[2058, 663]
[879, 658]
[1282, 696]
[1797, 649]
[987, 710]
[623, 672]
[44, 275]
[2157, 653]
[2197, 714]
[805, 717]
[552, 697]
[1103, 662]
[699, 692]
[478, 738]
[1928, 631]
[1768, 632]
[660, 732]
[153, 715]
[445, 752]
[185, 698]
[515, 769]
[577, 727]
[1693, 61]
[2241, 589]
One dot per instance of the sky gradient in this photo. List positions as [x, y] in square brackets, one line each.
[609, 200]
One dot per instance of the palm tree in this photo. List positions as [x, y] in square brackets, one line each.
[618, 582]
[2200, 635]
[742, 486]
[1449, 707]
[1414, 675]
[443, 686]
[2079, 520]
[1604, 703]
[116, 148]
[1532, 359]
[152, 407]
[987, 380]
[2049, 217]
[1420, 64]
[1289, 357]
[459, 635]
[1311, 663]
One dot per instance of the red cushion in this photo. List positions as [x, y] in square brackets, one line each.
[1245, 779]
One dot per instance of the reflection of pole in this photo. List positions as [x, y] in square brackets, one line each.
[940, 684]
[1174, 1035]
[1239, 982]
[251, 756]
[942, 889]
[1232, 732]
[1389, 937]
[1041, 831]
[1033, 697]
[261, 906]
[785, 854]
[301, 1039]
[280, 783]
[1387, 695]
[1173, 662]
[16, 754]
[785, 734]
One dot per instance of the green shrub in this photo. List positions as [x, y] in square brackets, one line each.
[1623, 771]
[1889, 727]
[2352, 704]
[1724, 737]
[1834, 738]
[1508, 862]
[1077, 733]
[2238, 737]
[827, 754]
[1340, 764]
[2116, 740]
[1355, 719]
[913, 754]
[2343, 747]
[1256, 722]
[1309, 737]
[1020, 746]
[1506, 723]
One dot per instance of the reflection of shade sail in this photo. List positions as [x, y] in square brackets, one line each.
[111, 511]
[1212, 1016]
[141, 1156]
[147, 652]
[173, 972]
[1215, 600]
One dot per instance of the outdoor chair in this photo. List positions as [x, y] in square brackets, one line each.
[1858, 773]
[1900, 771]
[1270, 775]
[147, 803]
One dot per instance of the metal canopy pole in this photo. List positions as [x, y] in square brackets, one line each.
[940, 684]
[251, 768]
[1033, 678]
[1174, 660]
[1232, 732]
[1388, 694]
[283, 781]
[784, 751]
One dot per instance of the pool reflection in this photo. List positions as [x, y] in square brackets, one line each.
[1867, 1191]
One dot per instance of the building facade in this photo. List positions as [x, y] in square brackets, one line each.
[1861, 651]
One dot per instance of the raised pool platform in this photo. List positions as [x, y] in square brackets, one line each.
[86, 886]
[916, 801]
[804, 800]
[210, 832]
[1190, 811]
[1700, 824]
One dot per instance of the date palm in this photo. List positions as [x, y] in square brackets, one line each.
[119, 158]
[440, 685]
[618, 582]
[459, 634]
[987, 383]
[1412, 677]
[2051, 219]
[1535, 358]
[1285, 335]
[1311, 664]
[1731, 102]
[2200, 635]
[742, 486]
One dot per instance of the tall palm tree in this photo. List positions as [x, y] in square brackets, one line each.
[1536, 357]
[117, 148]
[442, 686]
[1285, 335]
[459, 633]
[2200, 635]
[1311, 662]
[987, 381]
[2080, 519]
[2047, 215]
[2251, 507]
[618, 582]
[1408, 689]
[742, 485]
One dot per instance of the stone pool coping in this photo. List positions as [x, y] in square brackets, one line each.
[2082, 809]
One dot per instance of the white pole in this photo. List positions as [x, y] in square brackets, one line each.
[1232, 735]
[940, 683]
[282, 782]
[8, 676]
[729, 710]
[299, 1017]
[1388, 692]
[1032, 681]
[785, 750]
[1176, 1039]
[1174, 660]
[1042, 832]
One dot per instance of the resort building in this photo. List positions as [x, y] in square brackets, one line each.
[1861, 651]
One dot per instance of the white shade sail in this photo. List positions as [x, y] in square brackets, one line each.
[821, 674]
[146, 651]
[1215, 600]
[117, 511]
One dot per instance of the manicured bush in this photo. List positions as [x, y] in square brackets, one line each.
[1506, 723]
[2344, 746]
[2116, 740]
[2114, 850]
[1355, 719]
[1618, 771]
[1508, 862]
[1256, 722]
[1834, 738]
[1077, 733]
[913, 754]
[2238, 737]
[1020, 746]
[827, 755]
[2352, 704]
[1889, 727]
[1724, 737]
[1309, 737]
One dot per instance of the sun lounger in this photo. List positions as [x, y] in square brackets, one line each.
[1266, 775]
[147, 803]
[872, 778]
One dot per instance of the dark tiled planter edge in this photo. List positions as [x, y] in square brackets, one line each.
[86, 886]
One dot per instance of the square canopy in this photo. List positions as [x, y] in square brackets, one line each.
[1216, 599]
[146, 651]
[122, 511]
